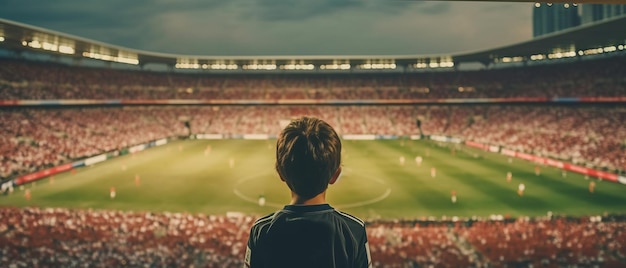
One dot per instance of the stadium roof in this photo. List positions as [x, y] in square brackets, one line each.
[594, 38]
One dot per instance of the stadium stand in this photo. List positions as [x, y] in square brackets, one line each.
[35, 138]
[156, 239]
[590, 78]
[554, 242]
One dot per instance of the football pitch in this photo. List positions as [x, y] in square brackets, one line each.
[220, 176]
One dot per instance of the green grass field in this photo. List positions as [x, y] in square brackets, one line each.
[181, 176]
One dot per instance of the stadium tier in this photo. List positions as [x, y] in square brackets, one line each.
[25, 80]
[37, 137]
[114, 238]
[34, 138]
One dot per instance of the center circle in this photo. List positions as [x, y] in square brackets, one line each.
[264, 183]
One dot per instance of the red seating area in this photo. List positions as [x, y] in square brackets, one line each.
[34, 237]
[114, 238]
[34, 138]
[399, 244]
[586, 78]
[587, 135]
[549, 243]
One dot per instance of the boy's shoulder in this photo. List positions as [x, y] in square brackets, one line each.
[350, 218]
[265, 219]
[310, 212]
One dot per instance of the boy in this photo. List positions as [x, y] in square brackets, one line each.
[308, 232]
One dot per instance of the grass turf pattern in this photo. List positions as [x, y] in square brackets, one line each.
[219, 176]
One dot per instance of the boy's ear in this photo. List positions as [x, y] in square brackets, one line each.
[336, 176]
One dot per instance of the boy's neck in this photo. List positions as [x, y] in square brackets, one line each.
[316, 200]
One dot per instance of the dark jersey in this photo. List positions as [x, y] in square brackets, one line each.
[308, 236]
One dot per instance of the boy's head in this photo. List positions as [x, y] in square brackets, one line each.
[308, 156]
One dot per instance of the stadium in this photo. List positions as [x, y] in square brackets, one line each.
[108, 162]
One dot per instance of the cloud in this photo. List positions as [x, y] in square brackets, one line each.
[282, 27]
[433, 8]
[290, 10]
[278, 10]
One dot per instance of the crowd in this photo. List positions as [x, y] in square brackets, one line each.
[588, 78]
[31, 138]
[402, 244]
[557, 242]
[55, 237]
[588, 135]
[582, 135]
[34, 138]
[59, 237]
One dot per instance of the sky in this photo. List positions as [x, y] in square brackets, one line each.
[283, 27]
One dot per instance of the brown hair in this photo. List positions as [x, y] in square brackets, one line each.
[308, 153]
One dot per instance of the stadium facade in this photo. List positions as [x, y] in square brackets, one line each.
[554, 17]
[597, 12]
[550, 18]
[606, 36]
